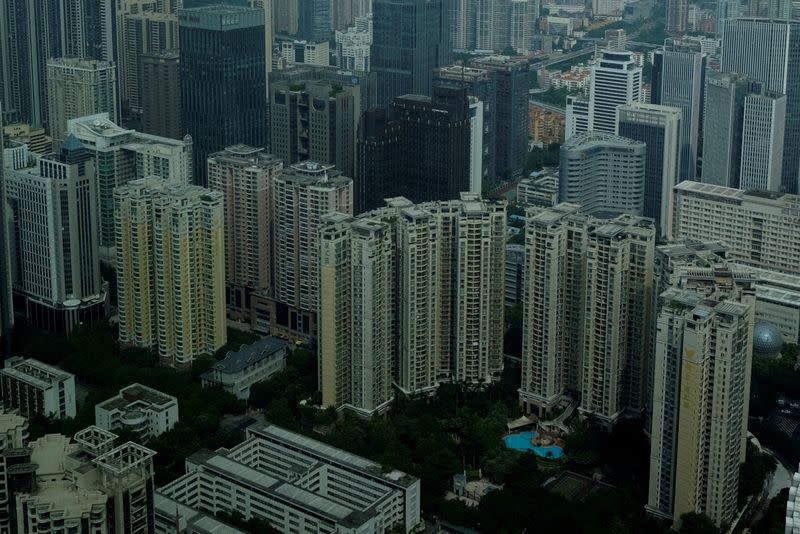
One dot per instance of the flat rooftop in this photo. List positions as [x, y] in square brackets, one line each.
[137, 394]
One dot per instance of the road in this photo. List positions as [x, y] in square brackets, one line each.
[548, 107]
[563, 57]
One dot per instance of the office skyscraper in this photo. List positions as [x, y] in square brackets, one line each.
[604, 174]
[122, 155]
[726, 9]
[762, 141]
[410, 38]
[678, 80]
[616, 80]
[32, 35]
[77, 88]
[302, 194]
[377, 154]
[55, 239]
[223, 79]
[161, 94]
[722, 128]
[314, 23]
[170, 250]
[244, 176]
[434, 136]
[764, 51]
[511, 127]
[6, 301]
[701, 381]
[315, 120]
[659, 128]
[481, 84]
[144, 28]
[587, 303]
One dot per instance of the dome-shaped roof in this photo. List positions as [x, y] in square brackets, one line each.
[767, 339]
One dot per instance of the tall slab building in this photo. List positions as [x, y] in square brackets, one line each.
[410, 38]
[223, 79]
[766, 51]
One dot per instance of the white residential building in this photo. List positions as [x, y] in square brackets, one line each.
[253, 363]
[793, 506]
[298, 484]
[759, 227]
[353, 45]
[144, 411]
[37, 389]
[85, 485]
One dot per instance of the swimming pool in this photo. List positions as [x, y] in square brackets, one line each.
[522, 442]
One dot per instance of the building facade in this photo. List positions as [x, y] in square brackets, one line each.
[161, 94]
[170, 269]
[121, 155]
[583, 334]
[603, 173]
[315, 120]
[76, 88]
[263, 471]
[251, 364]
[616, 80]
[512, 85]
[302, 194]
[763, 50]
[679, 81]
[37, 389]
[434, 274]
[244, 175]
[54, 240]
[659, 128]
[701, 386]
[146, 412]
[763, 129]
[760, 228]
[222, 51]
[722, 128]
[410, 38]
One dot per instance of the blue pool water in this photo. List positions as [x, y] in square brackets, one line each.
[522, 442]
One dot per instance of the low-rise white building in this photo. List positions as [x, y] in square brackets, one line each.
[298, 484]
[35, 388]
[143, 410]
[250, 364]
[793, 506]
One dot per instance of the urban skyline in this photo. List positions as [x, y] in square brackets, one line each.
[418, 266]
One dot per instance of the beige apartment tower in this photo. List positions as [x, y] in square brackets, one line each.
[79, 87]
[170, 269]
[244, 175]
[587, 300]
[356, 318]
[701, 390]
[445, 269]
[302, 194]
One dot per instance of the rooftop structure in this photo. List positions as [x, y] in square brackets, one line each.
[35, 388]
[143, 410]
[250, 364]
[276, 468]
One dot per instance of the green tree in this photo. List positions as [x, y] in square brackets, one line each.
[694, 523]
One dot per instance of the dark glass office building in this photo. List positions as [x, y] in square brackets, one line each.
[377, 153]
[410, 38]
[434, 152]
[314, 22]
[223, 80]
